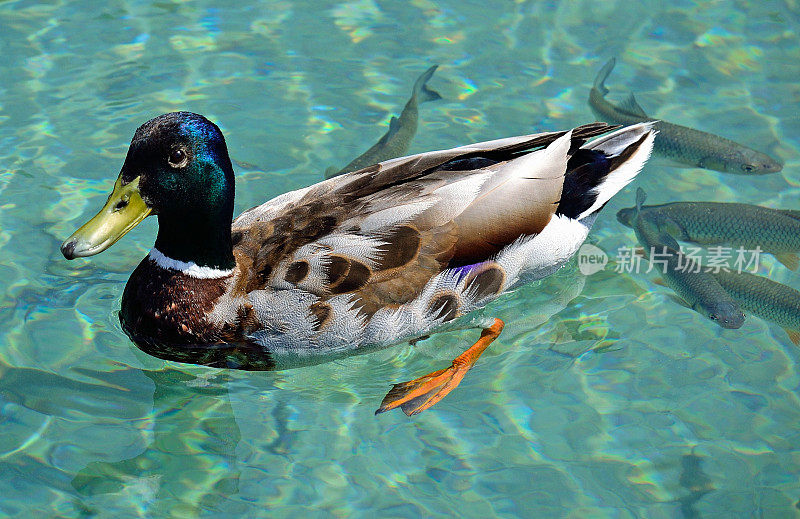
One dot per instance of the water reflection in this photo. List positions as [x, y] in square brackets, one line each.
[190, 465]
[696, 481]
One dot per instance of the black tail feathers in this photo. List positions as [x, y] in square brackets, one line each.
[586, 170]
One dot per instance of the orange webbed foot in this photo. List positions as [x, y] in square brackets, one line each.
[419, 394]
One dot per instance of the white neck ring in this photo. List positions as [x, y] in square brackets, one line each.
[188, 268]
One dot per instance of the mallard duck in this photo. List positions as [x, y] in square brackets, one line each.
[389, 253]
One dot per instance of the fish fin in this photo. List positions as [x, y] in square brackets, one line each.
[641, 196]
[790, 212]
[630, 106]
[789, 260]
[331, 172]
[394, 127]
[421, 89]
[680, 301]
[600, 80]
[669, 226]
[668, 240]
[711, 162]
[660, 281]
[794, 336]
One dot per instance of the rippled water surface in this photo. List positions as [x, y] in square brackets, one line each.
[602, 398]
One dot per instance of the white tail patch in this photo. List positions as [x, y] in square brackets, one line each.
[612, 145]
[536, 257]
[187, 268]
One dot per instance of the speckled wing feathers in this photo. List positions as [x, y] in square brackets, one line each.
[396, 224]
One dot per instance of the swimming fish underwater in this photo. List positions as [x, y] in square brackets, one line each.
[694, 479]
[397, 140]
[765, 298]
[700, 291]
[684, 146]
[775, 231]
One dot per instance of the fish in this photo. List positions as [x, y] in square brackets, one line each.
[751, 227]
[697, 289]
[397, 139]
[767, 299]
[696, 481]
[682, 146]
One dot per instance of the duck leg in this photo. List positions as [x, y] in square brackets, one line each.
[419, 394]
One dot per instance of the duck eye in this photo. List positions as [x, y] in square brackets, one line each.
[177, 158]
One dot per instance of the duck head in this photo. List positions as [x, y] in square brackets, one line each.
[177, 168]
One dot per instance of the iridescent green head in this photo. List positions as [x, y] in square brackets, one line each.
[178, 168]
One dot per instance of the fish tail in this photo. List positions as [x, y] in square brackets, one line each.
[600, 80]
[421, 90]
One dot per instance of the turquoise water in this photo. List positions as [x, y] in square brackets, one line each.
[602, 398]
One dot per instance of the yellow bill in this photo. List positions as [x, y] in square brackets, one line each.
[123, 211]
